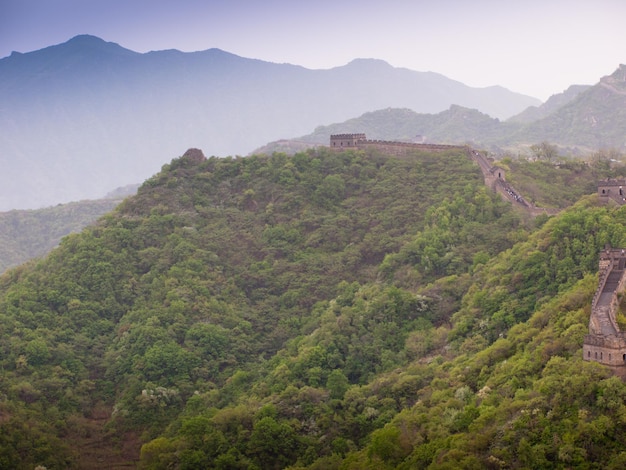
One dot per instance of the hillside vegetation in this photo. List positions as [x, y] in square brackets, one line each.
[32, 234]
[558, 184]
[29, 234]
[327, 310]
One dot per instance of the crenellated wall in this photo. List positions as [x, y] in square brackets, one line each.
[359, 141]
[493, 176]
[346, 141]
[605, 343]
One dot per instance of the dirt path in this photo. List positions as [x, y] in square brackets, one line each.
[99, 448]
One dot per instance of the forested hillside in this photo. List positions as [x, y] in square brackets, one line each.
[327, 310]
[30, 234]
[558, 185]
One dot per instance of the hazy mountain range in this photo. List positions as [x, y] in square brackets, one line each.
[87, 115]
[579, 121]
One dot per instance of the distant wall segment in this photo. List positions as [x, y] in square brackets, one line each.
[361, 142]
[494, 176]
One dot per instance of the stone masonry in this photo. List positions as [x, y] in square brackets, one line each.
[612, 190]
[606, 343]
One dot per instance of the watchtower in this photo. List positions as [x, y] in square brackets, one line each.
[613, 190]
[346, 141]
[498, 173]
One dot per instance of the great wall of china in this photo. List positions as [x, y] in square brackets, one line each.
[493, 176]
[605, 343]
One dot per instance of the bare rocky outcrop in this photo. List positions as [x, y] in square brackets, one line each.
[195, 155]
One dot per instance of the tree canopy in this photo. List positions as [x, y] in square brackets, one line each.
[326, 310]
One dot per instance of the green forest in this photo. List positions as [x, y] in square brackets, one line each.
[318, 311]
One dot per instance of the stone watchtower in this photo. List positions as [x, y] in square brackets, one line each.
[612, 190]
[346, 141]
[606, 343]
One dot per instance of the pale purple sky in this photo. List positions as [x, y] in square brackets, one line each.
[535, 47]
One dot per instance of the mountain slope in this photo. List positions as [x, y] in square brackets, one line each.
[88, 115]
[329, 310]
[456, 125]
[29, 234]
[555, 102]
[504, 386]
[528, 400]
[186, 289]
[596, 118]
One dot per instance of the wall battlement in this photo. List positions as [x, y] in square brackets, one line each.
[494, 176]
[606, 343]
[360, 142]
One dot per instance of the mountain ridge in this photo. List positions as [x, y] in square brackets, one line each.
[553, 103]
[327, 310]
[115, 120]
[582, 120]
[594, 119]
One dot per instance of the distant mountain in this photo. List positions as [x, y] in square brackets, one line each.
[581, 120]
[87, 115]
[534, 113]
[28, 234]
[456, 125]
[596, 118]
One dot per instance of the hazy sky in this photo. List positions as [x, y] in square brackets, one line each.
[536, 47]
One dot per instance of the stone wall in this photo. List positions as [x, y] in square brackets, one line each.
[359, 141]
[403, 149]
[605, 348]
[494, 177]
[346, 141]
[612, 190]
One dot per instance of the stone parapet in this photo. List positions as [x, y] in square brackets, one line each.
[605, 343]
[359, 141]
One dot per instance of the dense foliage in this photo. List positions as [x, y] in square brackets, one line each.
[559, 184]
[329, 310]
